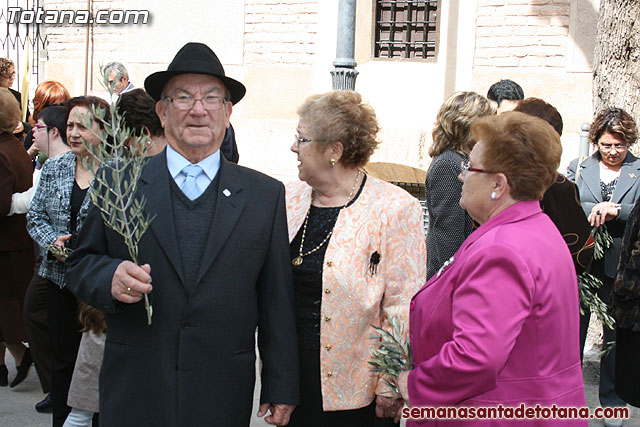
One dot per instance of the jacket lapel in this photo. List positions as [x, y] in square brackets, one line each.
[155, 186]
[629, 173]
[590, 174]
[230, 203]
[67, 177]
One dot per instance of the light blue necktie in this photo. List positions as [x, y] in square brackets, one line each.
[190, 186]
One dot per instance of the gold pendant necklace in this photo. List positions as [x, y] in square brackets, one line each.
[299, 259]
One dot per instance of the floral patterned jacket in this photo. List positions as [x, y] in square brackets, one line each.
[626, 290]
[384, 219]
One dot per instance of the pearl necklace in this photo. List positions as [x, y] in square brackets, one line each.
[298, 260]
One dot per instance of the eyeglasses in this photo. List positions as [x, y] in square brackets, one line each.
[608, 147]
[466, 167]
[186, 102]
[40, 127]
[298, 140]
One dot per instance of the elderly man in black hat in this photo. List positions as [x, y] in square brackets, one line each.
[217, 258]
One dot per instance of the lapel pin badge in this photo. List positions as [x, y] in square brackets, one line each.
[632, 175]
[226, 192]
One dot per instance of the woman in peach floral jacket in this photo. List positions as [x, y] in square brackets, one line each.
[358, 255]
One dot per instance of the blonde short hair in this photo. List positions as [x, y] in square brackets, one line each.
[9, 111]
[6, 65]
[452, 128]
[340, 115]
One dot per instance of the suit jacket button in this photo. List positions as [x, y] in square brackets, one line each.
[412, 306]
[185, 325]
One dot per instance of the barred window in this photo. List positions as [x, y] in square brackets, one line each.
[406, 29]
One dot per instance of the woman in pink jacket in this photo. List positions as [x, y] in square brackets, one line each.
[498, 324]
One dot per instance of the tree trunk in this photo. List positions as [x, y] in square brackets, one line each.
[616, 62]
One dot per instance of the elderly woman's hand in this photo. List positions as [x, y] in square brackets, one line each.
[388, 407]
[603, 212]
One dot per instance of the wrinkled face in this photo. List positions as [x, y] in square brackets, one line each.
[120, 84]
[6, 80]
[196, 130]
[476, 186]
[77, 132]
[41, 136]
[612, 148]
[313, 157]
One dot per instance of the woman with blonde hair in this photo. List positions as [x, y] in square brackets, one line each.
[449, 224]
[7, 77]
[358, 255]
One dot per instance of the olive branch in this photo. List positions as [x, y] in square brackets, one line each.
[391, 353]
[117, 162]
[57, 250]
[602, 240]
[588, 285]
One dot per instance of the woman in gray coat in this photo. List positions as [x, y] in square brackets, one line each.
[609, 185]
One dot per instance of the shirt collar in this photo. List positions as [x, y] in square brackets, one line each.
[176, 162]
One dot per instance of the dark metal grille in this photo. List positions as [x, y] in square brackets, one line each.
[19, 37]
[406, 29]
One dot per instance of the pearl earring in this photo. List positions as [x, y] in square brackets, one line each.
[332, 163]
[493, 195]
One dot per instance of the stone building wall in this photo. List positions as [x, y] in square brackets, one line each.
[283, 51]
[280, 32]
[522, 33]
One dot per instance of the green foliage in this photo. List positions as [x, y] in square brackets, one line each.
[117, 162]
[391, 353]
[602, 240]
[588, 286]
[59, 251]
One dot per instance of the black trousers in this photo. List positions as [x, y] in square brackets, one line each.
[64, 329]
[607, 386]
[310, 413]
[627, 366]
[36, 321]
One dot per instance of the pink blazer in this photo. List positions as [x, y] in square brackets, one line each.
[500, 323]
[383, 219]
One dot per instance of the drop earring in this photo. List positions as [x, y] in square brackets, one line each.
[493, 195]
[332, 163]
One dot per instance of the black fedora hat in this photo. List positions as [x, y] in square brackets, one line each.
[196, 58]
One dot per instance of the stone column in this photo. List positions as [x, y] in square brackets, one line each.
[344, 74]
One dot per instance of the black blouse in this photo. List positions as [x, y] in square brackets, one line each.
[77, 197]
[307, 277]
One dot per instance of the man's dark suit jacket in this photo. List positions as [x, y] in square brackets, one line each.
[195, 364]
